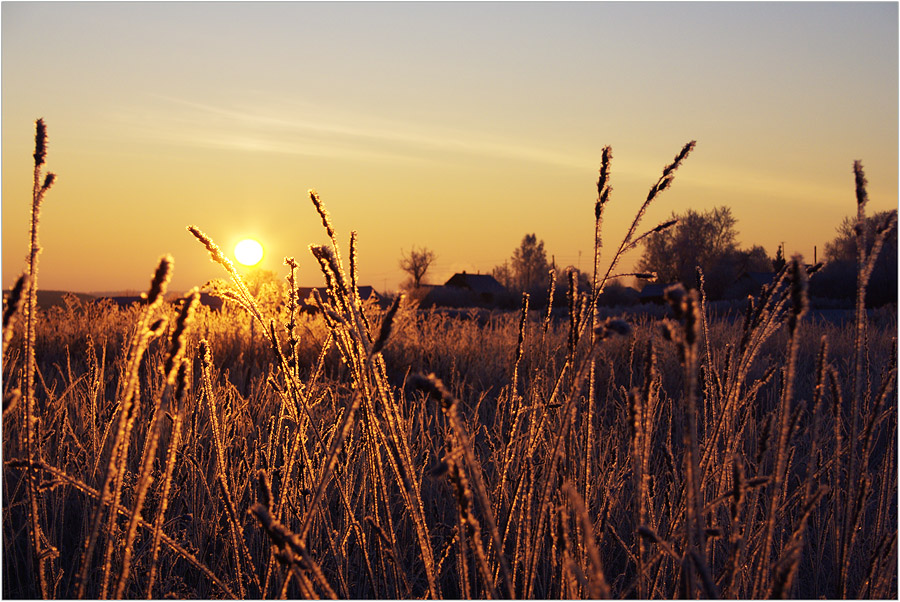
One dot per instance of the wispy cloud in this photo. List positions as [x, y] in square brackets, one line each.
[307, 129]
[267, 125]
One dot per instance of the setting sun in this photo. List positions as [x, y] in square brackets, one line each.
[248, 252]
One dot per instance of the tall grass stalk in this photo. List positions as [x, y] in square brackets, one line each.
[799, 305]
[30, 433]
[114, 474]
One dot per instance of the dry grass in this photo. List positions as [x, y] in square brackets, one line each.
[259, 452]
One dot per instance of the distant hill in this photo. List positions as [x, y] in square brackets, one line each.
[48, 299]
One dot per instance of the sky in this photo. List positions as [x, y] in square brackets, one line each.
[459, 127]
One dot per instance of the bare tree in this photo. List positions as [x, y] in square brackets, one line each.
[416, 264]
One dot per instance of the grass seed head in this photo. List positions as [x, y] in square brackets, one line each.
[603, 188]
[679, 158]
[386, 325]
[185, 317]
[862, 197]
[40, 143]
[14, 300]
[676, 296]
[49, 179]
[264, 492]
[665, 225]
[161, 278]
[215, 252]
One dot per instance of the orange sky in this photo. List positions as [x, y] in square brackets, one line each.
[456, 126]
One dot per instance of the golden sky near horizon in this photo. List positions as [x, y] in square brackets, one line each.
[456, 126]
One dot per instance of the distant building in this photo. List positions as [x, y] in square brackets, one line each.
[760, 279]
[749, 283]
[484, 285]
[466, 290]
[654, 292]
[618, 295]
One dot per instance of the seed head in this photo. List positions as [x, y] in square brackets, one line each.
[185, 317]
[604, 170]
[49, 179]
[264, 493]
[215, 252]
[603, 182]
[859, 175]
[14, 299]
[676, 295]
[386, 325]
[323, 212]
[40, 143]
[681, 156]
[665, 225]
[160, 279]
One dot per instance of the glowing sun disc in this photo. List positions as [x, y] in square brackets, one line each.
[248, 252]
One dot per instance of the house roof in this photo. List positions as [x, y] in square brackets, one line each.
[478, 283]
[653, 290]
[761, 278]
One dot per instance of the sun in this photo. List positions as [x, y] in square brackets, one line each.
[248, 252]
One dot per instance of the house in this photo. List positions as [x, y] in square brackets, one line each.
[759, 279]
[614, 295]
[749, 283]
[654, 292]
[466, 290]
[484, 286]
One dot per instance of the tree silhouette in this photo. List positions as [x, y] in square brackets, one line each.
[529, 264]
[779, 261]
[698, 239]
[837, 280]
[416, 264]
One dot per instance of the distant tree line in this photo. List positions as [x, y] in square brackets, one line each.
[837, 279]
[707, 240]
[704, 239]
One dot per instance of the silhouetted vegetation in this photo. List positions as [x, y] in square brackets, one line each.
[837, 280]
[416, 265]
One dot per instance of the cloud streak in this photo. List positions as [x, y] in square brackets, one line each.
[267, 127]
[308, 129]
